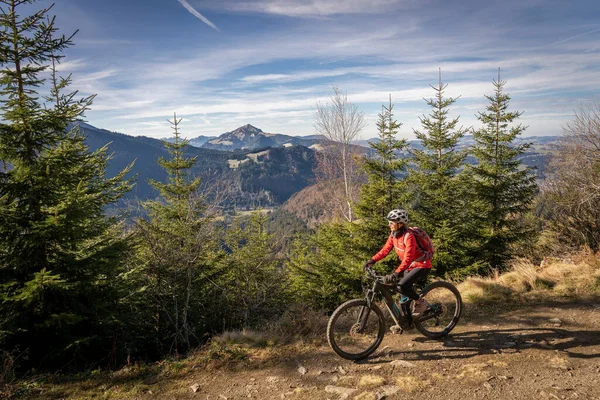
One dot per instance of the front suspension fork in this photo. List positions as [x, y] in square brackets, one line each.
[364, 313]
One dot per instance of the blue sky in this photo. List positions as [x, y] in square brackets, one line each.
[224, 63]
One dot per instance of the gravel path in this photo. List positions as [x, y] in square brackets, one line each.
[530, 353]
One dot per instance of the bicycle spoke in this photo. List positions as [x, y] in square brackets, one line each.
[354, 330]
[443, 312]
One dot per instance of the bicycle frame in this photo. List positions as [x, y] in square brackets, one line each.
[401, 317]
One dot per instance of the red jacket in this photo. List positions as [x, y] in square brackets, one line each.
[407, 249]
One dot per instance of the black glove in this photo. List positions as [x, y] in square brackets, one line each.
[368, 263]
[391, 278]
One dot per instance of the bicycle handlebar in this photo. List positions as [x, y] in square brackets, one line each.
[371, 273]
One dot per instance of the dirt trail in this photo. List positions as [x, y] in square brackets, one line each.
[549, 352]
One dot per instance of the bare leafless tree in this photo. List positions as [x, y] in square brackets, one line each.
[573, 186]
[340, 122]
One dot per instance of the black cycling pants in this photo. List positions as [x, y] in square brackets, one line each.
[409, 279]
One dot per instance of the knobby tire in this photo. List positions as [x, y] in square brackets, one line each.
[335, 327]
[455, 296]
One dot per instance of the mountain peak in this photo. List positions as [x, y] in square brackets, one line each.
[246, 131]
[249, 127]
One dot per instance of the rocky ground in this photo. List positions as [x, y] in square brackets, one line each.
[545, 352]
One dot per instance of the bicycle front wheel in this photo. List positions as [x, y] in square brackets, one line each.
[355, 330]
[443, 313]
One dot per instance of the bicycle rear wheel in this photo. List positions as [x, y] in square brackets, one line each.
[354, 330]
[443, 313]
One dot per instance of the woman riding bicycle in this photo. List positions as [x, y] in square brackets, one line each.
[415, 265]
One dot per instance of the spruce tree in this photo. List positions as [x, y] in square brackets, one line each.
[438, 198]
[503, 187]
[176, 250]
[59, 252]
[386, 188]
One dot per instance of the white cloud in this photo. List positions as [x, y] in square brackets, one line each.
[313, 8]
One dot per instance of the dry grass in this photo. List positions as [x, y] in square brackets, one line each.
[371, 381]
[553, 279]
[297, 324]
[477, 372]
[366, 396]
[246, 337]
[411, 384]
[300, 323]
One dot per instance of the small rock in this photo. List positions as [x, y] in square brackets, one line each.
[410, 345]
[342, 391]
[319, 373]
[221, 396]
[387, 391]
[555, 320]
[402, 363]
[487, 385]
[195, 387]
[272, 379]
[376, 367]
[302, 370]
[382, 351]
[342, 370]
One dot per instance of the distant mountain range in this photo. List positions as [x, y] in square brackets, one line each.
[257, 168]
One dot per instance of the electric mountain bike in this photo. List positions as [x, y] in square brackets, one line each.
[356, 328]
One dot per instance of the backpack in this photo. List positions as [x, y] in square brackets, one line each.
[423, 241]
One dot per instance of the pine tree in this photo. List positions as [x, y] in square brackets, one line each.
[386, 188]
[438, 198]
[503, 187]
[176, 249]
[58, 250]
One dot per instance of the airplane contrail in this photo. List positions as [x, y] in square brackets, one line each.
[197, 14]
[572, 37]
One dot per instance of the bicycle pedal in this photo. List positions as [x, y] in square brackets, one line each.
[396, 330]
[408, 327]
